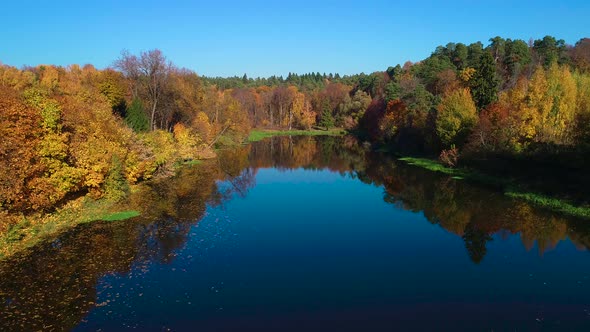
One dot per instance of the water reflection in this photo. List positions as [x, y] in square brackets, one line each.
[53, 285]
[472, 212]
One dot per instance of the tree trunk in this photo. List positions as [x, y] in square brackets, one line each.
[270, 113]
[153, 125]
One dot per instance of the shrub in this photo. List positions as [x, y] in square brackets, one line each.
[449, 157]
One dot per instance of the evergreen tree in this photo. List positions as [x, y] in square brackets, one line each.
[327, 119]
[115, 185]
[485, 82]
[136, 118]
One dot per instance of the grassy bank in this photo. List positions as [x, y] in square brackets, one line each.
[553, 204]
[260, 134]
[508, 187]
[32, 229]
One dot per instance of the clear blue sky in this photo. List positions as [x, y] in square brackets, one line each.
[262, 38]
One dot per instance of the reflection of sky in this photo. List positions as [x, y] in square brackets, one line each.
[273, 175]
[313, 249]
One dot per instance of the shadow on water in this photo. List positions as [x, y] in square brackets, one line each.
[53, 286]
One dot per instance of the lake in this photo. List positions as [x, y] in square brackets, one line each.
[307, 234]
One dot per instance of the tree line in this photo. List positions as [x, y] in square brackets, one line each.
[76, 130]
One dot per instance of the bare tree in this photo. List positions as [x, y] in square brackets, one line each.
[149, 75]
[128, 64]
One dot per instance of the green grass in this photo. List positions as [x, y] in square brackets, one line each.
[117, 216]
[553, 204]
[458, 173]
[433, 165]
[257, 135]
[506, 185]
[193, 162]
[187, 163]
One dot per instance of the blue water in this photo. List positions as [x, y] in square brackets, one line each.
[308, 235]
[316, 250]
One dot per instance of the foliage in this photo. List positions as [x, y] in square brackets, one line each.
[116, 186]
[457, 115]
[484, 82]
[326, 119]
[449, 157]
[20, 131]
[188, 142]
[136, 118]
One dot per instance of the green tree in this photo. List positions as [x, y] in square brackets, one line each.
[517, 56]
[460, 55]
[474, 52]
[392, 91]
[115, 185]
[327, 119]
[136, 118]
[549, 50]
[485, 82]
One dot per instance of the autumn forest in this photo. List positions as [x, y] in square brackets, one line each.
[81, 131]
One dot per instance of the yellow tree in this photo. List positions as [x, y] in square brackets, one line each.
[49, 77]
[457, 115]
[303, 115]
[522, 118]
[582, 108]
[202, 126]
[60, 178]
[20, 131]
[187, 141]
[558, 114]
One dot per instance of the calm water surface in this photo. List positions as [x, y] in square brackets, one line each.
[302, 234]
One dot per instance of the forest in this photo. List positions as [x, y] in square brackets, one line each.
[77, 131]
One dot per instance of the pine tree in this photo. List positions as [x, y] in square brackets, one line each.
[136, 118]
[327, 119]
[485, 82]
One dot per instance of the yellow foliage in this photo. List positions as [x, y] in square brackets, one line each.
[303, 115]
[466, 74]
[187, 142]
[544, 108]
[49, 77]
[457, 115]
[557, 122]
[202, 126]
[582, 108]
[162, 145]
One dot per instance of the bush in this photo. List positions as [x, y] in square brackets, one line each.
[115, 185]
[449, 157]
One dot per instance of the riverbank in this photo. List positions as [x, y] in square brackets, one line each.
[508, 186]
[27, 231]
[24, 231]
[260, 134]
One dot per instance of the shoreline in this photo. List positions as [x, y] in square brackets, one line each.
[260, 134]
[507, 187]
[35, 228]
